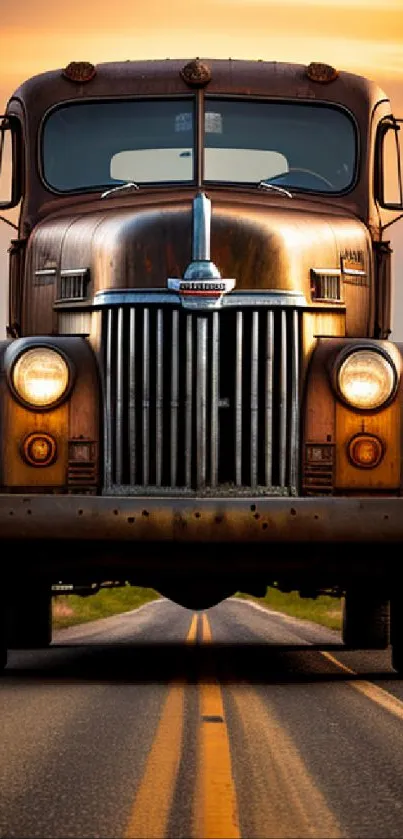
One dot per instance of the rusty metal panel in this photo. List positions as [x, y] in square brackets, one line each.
[279, 521]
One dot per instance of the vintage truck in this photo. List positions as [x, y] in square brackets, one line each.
[197, 390]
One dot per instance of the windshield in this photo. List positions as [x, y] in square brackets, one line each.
[92, 145]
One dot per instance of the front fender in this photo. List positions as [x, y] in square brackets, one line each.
[73, 425]
[329, 425]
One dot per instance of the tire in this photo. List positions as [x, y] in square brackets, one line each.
[396, 634]
[29, 623]
[366, 620]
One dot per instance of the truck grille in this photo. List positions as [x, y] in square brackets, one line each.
[201, 403]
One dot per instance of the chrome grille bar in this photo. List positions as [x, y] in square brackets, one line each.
[132, 396]
[146, 396]
[283, 401]
[294, 398]
[238, 398]
[215, 386]
[188, 403]
[228, 389]
[108, 424]
[268, 441]
[201, 400]
[254, 400]
[174, 396]
[159, 400]
[119, 395]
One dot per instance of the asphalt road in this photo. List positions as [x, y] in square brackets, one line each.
[233, 722]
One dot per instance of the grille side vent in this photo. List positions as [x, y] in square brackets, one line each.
[326, 285]
[73, 284]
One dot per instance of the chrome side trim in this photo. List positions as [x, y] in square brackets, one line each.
[162, 297]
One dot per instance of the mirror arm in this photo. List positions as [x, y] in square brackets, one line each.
[384, 227]
[7, 221]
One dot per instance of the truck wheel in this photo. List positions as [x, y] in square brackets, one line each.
[365, 620]
[29, 624]
[396, 634]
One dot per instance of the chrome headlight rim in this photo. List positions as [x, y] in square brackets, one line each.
[70, 377]
[342, 357]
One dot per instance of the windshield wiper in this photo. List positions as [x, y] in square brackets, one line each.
[275, 188]
[129, 185]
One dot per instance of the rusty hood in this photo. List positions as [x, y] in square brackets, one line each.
[263, 243]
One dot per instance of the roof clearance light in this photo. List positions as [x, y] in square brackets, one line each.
[196, 73]
[322, 73]
[79, 71]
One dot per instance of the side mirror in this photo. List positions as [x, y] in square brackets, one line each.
[10, 165]
[389, 188]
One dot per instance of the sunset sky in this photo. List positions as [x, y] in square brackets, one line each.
[362, 36]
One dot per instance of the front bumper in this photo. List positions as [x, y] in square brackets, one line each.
[64, 518]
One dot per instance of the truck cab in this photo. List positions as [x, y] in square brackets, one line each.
[198, 388]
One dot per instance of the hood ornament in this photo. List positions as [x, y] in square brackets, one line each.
[202, 285]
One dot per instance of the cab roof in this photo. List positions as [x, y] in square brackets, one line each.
[228, 76]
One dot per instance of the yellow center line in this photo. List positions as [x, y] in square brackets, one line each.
[153, 801]
[191, 636]
[382, 698]
[216, 809]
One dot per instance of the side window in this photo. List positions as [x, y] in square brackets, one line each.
[390, 191]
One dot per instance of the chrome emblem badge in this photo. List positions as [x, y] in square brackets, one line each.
[201, 293]
[201, 288]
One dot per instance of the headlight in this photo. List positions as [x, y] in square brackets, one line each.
[41, 377]
[366, 379]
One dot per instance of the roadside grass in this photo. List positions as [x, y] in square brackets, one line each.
[325, 610]
[69, 610]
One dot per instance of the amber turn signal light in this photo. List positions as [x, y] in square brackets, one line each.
[365, 451]
[39, 449]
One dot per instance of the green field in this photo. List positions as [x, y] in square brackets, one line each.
[72, 609]
[324, 610]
